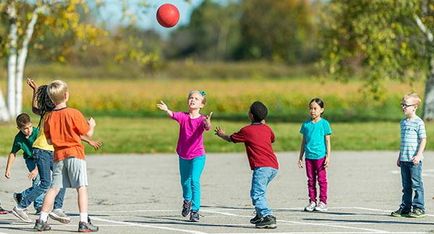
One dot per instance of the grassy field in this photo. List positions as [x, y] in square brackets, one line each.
[150, 135]
[229, 99]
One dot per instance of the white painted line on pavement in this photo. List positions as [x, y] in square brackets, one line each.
[147, 226]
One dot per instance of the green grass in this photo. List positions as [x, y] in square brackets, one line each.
[152, 135]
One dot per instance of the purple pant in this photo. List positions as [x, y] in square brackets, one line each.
[315, 169]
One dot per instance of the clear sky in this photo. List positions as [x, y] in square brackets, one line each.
[112, 13]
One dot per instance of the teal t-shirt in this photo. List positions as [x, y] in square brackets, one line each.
[314, 134]
[25, 144]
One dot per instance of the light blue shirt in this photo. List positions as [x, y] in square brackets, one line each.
[314, 135]
[412, 132]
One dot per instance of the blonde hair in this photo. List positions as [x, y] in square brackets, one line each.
[57, 90]
[413, 96]
[202, 93]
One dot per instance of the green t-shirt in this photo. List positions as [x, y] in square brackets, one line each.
[25, 144]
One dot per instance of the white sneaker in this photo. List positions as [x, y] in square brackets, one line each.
[60, 216]
[321, 207]
[21, 214]
[311, 207]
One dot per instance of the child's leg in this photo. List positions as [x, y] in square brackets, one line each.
[58, 201]
[47, 206]
[185, 167]
[31, 165]
[406, 185]
[75, 176]
[322, 180]
[82, 202]
[261, 177]
[197, 167]
[417, 186]
[43, 164]
[311, 179]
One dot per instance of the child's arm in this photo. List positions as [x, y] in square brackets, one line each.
[221, 133]
[300, 157]
[95, 144]
[422, 144]
[11, 159]
[92, 125]
[328, 144]
[162, 106]
[34, 87]
[208, 122]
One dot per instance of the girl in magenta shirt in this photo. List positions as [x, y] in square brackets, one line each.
[191, 150]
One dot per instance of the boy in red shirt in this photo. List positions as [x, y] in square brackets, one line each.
[257, 138]
[63, 128]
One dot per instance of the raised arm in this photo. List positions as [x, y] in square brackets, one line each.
[208, 122]
[162, 106]
[34, 87]
[221, 133]
[92, 125]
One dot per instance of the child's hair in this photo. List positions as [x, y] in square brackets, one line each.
[43, 100]
[318, 101]
[202, 93]
[414, 96]
[259, 111]
[57, 90]
[22, 120]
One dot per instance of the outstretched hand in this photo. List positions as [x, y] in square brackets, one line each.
[95, 144]
[32, 84]
[162, 106]
[208, 120]
[219, 131]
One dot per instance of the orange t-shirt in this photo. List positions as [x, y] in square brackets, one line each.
[64, 128]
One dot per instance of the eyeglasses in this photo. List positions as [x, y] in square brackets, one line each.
[405, 105]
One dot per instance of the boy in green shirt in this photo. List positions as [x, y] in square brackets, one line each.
[24, 141]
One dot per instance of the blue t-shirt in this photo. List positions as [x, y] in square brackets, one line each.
[412, 132]
[314, 135]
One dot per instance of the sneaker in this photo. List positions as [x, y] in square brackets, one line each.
[17, 197]
[417, 213]
[400, 213]
[21, 214]
[268, 221]
[60, 216]
[186, 206]
[194, 216]
[3, 211]
[41, 226]
[321, 207]
[256, 219]
[310, 207]
[87, 227]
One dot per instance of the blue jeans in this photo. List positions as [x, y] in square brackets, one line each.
[261, 177]
[190, 171]
[44, 161]
[411, 176]
[31, 165]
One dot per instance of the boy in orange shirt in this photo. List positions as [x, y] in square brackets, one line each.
[63, 128]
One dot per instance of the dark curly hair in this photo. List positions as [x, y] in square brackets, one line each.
[44, 103]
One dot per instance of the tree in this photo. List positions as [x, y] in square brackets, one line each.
[212, 34]
[277, 30]
[391, 39]
[22, 19]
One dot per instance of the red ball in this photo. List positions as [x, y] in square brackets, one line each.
[167, 15]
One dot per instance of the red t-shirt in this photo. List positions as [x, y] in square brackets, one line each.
[258, 139]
